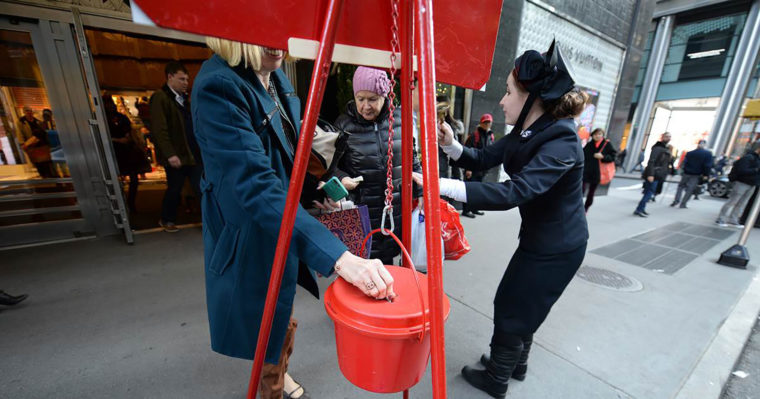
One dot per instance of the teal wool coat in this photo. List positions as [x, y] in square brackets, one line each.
[247, 162]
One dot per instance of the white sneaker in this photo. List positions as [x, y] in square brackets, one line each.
[721, 224]
[737, 225]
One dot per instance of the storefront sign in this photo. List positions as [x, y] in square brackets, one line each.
[580, 58]
[595, 61]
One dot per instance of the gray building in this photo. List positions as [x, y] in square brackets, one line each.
[699, 66]
[603, 39]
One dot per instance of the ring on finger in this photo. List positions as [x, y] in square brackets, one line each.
[370, 285]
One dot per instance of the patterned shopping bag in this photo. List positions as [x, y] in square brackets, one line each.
[350, 226]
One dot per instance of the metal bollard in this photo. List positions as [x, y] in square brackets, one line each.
[737, 255]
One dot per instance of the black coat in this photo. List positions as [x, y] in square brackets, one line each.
[545, 165]
[659, 162]
[479, 139]
[747, 169]
[367, 156]
[591, 172]
[698, 162]
[546, 172]
[129, 156]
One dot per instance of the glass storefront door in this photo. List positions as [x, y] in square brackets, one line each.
[50, 188]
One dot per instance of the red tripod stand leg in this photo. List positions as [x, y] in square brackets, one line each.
[316, 93]
[407, 75]
[429, 142]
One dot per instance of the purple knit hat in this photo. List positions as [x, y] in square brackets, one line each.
[371, 79]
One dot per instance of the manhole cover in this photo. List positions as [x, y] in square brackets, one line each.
[608, 279]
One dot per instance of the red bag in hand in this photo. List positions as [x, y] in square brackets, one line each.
[606, 169]
[455, 244]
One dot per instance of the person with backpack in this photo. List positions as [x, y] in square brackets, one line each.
[481, 138]
[745, 175]
[656, 171]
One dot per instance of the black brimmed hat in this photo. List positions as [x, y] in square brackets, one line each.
[546, 76]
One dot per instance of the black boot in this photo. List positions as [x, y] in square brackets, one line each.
[10, 300]
[522, 365]
[494, 379]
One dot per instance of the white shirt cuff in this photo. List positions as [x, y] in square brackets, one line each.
[454, 151]
[454, 189]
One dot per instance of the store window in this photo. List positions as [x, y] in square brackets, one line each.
[34, 176]
[703, 49]
[130, 68]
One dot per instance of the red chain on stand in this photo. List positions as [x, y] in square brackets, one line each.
[395, 49]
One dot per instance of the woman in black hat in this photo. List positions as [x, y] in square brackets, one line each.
[544, 159]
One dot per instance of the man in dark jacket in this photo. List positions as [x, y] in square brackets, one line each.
[745, 175]
[656, 171]
[664, 142]
[481, 138]
[176, 146]
[696, 166]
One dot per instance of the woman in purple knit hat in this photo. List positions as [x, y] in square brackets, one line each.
[366, 119]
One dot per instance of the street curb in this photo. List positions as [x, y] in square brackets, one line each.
[714, 368]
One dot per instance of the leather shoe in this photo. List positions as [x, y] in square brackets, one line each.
[640, 214]
[10, 300]
[479, 213]
[468, 215]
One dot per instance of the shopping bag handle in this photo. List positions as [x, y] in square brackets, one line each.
[411, 266]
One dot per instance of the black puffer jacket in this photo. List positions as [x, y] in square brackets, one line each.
[747, 169]
[367, 156]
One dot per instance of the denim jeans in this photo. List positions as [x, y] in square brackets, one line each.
[175, 179]
[649, 189]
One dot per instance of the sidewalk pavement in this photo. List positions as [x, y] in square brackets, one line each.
[108, 320]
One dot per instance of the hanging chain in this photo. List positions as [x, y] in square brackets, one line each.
[395, 49]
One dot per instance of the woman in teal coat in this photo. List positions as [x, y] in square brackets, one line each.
[247, 119]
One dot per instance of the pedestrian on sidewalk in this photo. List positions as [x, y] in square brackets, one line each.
[544, 159]
[745, 175]
[481, 138]
[656, 171]
[247, 119]
[620, 159]
[176, 146]
[696, 167]
[596, 151]
[665, 140]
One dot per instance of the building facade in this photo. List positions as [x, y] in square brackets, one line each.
[698, 69]
[600, 39]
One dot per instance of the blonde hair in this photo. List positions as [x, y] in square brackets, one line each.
[235, 52]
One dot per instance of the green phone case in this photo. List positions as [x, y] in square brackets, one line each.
[335, 190]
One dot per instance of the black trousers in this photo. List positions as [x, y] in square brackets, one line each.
[589, 189]
[531, 285]
[175, 179]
